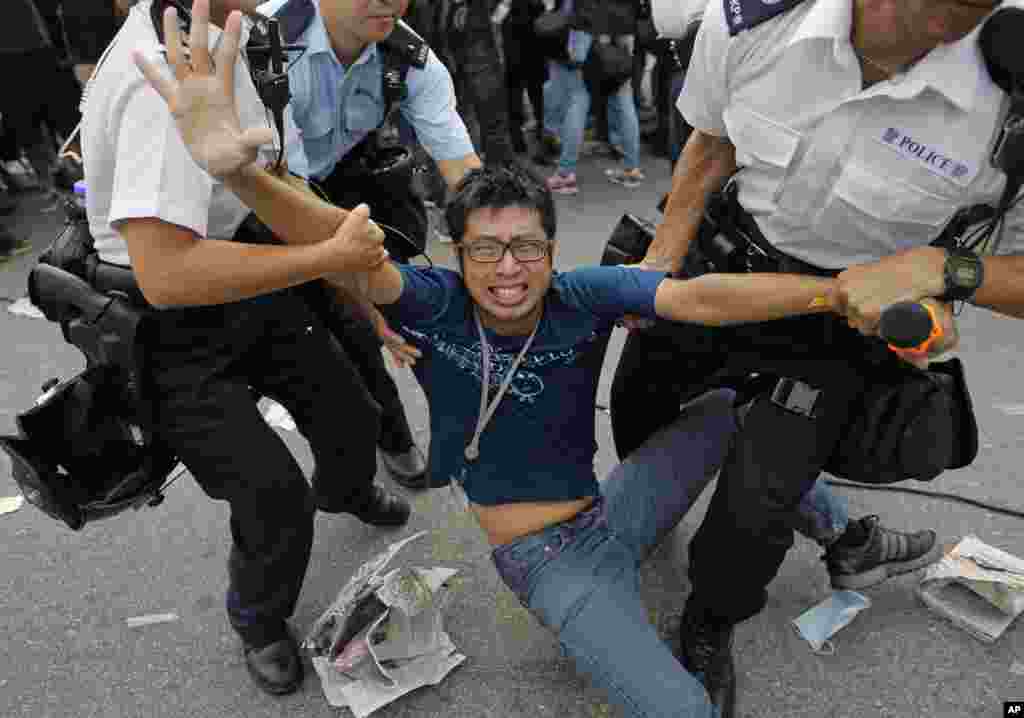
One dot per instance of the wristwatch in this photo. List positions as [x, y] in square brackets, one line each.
[963, 274]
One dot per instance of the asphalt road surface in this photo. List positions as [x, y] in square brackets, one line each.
[66, 650]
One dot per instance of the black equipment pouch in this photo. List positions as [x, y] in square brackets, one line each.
[629, 241]
[912, 426]
[86, 450]
[81, 456]
[99, 306]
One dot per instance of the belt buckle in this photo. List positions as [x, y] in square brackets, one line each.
[797, 397]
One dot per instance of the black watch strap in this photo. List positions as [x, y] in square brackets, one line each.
[963, 274]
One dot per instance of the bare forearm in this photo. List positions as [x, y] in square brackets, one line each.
[213, 271]
[719, 299]
[295, 215]
[1003, 287]
[381, 285]
[703, 167]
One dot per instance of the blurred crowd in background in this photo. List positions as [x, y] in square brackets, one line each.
[516, 88]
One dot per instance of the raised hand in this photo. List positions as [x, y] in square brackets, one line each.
[201, 93]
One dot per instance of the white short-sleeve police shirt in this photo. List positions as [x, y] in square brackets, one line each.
[833, 174]
[136, 165]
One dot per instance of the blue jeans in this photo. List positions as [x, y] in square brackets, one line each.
[580, 579]
[567, 106]
[623, 122]
[574, 104]
[555, 97]
[822, 514]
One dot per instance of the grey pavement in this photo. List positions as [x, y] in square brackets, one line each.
[65, 649]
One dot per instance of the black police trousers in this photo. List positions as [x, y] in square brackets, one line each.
[407, 213]
[778, 453]
[206, 367]
[469, 48]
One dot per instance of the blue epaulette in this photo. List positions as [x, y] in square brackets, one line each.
[746, 14]
[294, 17]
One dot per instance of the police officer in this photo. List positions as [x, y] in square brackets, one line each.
[340, 101]
[230, 321]
[855, 168]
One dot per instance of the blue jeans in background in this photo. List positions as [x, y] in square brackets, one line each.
[623, 122]
[555, 97]
[568, 82]
[580, 577]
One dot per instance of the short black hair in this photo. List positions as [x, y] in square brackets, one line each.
[508, 184]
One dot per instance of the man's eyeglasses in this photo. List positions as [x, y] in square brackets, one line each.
[979, 5]
[491, 251]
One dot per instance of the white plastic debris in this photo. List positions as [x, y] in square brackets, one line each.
[25, 308]
[10, 504]
[150, 619]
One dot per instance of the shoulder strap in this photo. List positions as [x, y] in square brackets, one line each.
[294, 17]
[746, 14]
[400, 50]
[404, 42]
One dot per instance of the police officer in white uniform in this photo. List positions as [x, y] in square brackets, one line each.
[858, 128]
[229, 320]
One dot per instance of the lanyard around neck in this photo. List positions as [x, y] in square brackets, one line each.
[472, 451]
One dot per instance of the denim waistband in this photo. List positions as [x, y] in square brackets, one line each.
[519, 561]
[567, 528]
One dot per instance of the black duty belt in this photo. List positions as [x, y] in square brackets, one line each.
[107, 277]
[731, 241]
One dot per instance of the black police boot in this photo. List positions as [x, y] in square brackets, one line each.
[381, 508]
[707, 654]
[276, 667]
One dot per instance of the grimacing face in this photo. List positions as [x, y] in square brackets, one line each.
[366, 20]
[509, 294]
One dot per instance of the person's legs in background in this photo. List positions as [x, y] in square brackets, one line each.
[576, 112]
[475, 52]
[554, 91]
[622, 107]
[515, 51]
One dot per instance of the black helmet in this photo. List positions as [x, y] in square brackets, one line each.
[81, 456]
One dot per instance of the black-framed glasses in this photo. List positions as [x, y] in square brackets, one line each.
[491, 251]
[983, 6]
